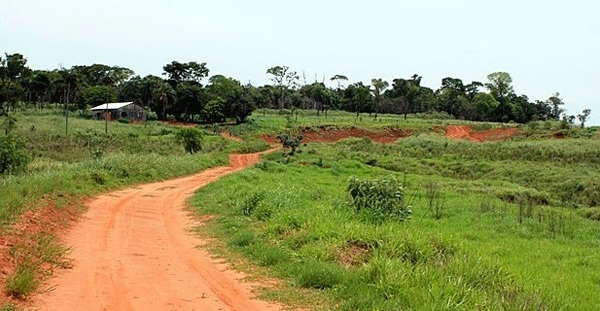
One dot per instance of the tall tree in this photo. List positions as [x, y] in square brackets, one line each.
[339, 78]
[283, 78]
[379, 87]
[500, 86]
[556, 103]
[12, 69]
[583, 116]
[191, 72]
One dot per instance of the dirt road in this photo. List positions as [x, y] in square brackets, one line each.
[132, 251]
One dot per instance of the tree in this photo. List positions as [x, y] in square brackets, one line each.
[339, 79]
[191, 71]
[357, 98]
[190, 100]
[583, 116]
[500, 86]
[452, 96]
[485, 105]
[378, 87]
[100, 74]
[12, 69]
[283, 78]
[96, 95]
[555, 103]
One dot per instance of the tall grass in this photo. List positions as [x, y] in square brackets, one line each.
[477, 253]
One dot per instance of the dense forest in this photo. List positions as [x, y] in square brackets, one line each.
[183, 94]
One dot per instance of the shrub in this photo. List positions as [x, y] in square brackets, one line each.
[379, 199]
[191, 139]
[96, 143]
[13, 155]
[290, 142]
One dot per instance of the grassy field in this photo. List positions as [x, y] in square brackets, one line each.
[495, 226]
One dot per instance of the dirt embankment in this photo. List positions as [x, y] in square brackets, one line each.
[132, 250]
[333, 134]
[465, 132]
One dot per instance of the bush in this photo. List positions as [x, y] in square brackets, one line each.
[97, 143]
[191, 139]
[379, 199]
[13, 155]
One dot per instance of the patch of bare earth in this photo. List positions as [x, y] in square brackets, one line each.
[465, 132]
[45, 219]
[333, 134]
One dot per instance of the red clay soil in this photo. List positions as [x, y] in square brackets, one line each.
[47, 219]
[133, 251]
[230, 136]
[333, 134]
[465, 132]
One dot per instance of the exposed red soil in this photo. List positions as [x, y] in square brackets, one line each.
[132, 251]
[230, 136]
[46, 219]
[465, 132]
[333, 134]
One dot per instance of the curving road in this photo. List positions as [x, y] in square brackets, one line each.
[132, 251]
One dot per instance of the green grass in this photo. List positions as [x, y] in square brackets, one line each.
[513, 225]
[63, 166]
[509, 237]
[64, 170]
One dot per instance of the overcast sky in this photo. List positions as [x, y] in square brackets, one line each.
[546, 46]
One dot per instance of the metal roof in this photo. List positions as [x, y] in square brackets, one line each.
[111, 106]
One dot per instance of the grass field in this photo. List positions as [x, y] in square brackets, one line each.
[509, 225]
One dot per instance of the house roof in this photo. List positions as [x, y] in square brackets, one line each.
[111, 106]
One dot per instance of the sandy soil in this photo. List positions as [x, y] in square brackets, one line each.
[132, 251]
[465, 132]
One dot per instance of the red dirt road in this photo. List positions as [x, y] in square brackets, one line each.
[132, 251]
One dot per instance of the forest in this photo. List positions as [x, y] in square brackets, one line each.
[183, 94]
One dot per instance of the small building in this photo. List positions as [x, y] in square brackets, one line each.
[115, 111]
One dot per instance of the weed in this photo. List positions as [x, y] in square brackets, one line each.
[8, 306]
[242, 239]
[380, 199]
[251, 203]
[317, 274]
[435, 199]
[22, 282]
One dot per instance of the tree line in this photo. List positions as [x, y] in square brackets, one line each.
[181, 94]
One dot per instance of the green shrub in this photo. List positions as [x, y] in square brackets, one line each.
[379, 199]
[191, 139]
[96, 143]
[13, 155]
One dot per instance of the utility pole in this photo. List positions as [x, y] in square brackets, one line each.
[106, 116]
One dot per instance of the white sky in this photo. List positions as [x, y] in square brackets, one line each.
[547, 46]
